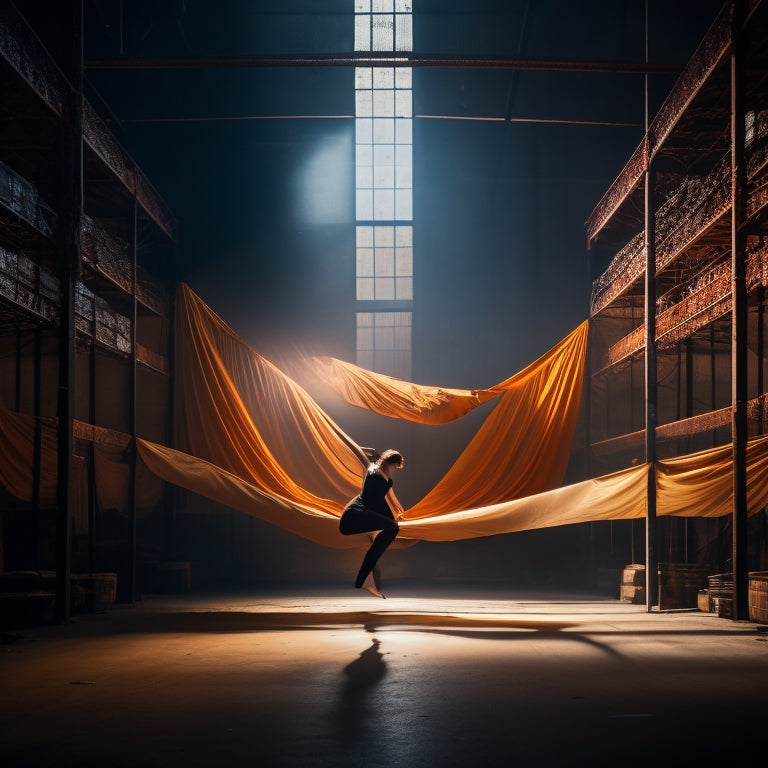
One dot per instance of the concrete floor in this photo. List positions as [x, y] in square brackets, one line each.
[435, 676]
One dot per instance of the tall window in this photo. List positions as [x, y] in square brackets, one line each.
[384, 190]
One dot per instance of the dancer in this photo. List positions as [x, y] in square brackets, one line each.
[375, 509]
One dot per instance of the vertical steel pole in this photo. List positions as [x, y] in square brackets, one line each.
[92, 501]
[173, 493]
[651, 576]
[760, 355]
[739, 326]
[130, 591]
[587, 410]
[37, 445]
[70, 228]
[17, 393]
[651, 390]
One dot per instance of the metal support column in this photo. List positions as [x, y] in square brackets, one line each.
[130, 591]
[739, 326]
[40, 529]
[17, 393]
[651, 390]
[92, 500]
[760, 354]
[71, 207]
[586, 404]
[173, 493]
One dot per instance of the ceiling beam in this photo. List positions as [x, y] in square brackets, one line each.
[369, 59]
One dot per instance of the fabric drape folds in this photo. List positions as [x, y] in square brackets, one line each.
[522, 448]
[229, 489]
[17, 457]
[239, 412]
[422, 404]
[618, 496]
[396, 398]
[250, 438]
[701, 484]
[236, 410]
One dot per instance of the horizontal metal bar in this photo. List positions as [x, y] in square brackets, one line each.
[369, 59]
[477, 118]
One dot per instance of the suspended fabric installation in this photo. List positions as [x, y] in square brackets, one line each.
[396, 398]
[697, 485]
[251, 439]
[521, 449]
[236, 410]
[701, 484]
[400, 399]
[26, 442]
[239, 412]
[532, 424]
[523, 446]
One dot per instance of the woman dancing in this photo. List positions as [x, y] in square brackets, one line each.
[375, 509]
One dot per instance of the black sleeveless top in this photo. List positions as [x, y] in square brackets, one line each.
[375, 487]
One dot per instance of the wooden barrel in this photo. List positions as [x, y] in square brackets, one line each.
[679, 585]
[92, 592]
[104, 590]
[720, 591]
[633, 584]
[758, 596]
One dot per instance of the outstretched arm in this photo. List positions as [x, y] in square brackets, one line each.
[397, 508]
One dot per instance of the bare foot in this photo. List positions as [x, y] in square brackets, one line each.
[370, 585]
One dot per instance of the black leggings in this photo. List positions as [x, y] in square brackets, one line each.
[358, 519]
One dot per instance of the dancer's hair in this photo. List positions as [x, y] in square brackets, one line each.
[391, 456]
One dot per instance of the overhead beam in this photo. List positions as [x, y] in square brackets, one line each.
[372, 59]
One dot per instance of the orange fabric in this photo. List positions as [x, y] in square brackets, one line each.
[422, 404]
[701, 484]
[17, 445]
[396, 398]
[237, 411]
[618, 496]
[252, 439]
[698, 485]
[227, 488]
[523, 446]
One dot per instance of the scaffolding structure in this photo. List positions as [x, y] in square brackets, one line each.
[87, 273]
[683, 227]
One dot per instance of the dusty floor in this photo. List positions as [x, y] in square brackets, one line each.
[428, 677]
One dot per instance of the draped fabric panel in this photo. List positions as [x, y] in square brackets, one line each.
[698, 485]
[701, 484]
[17, 451]
[229, 489]
[523, 446]
[618, 496]
[111, 472]
[237, 411]
[422, 404]
[251, 439]
[112, 477]
[396, 398]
